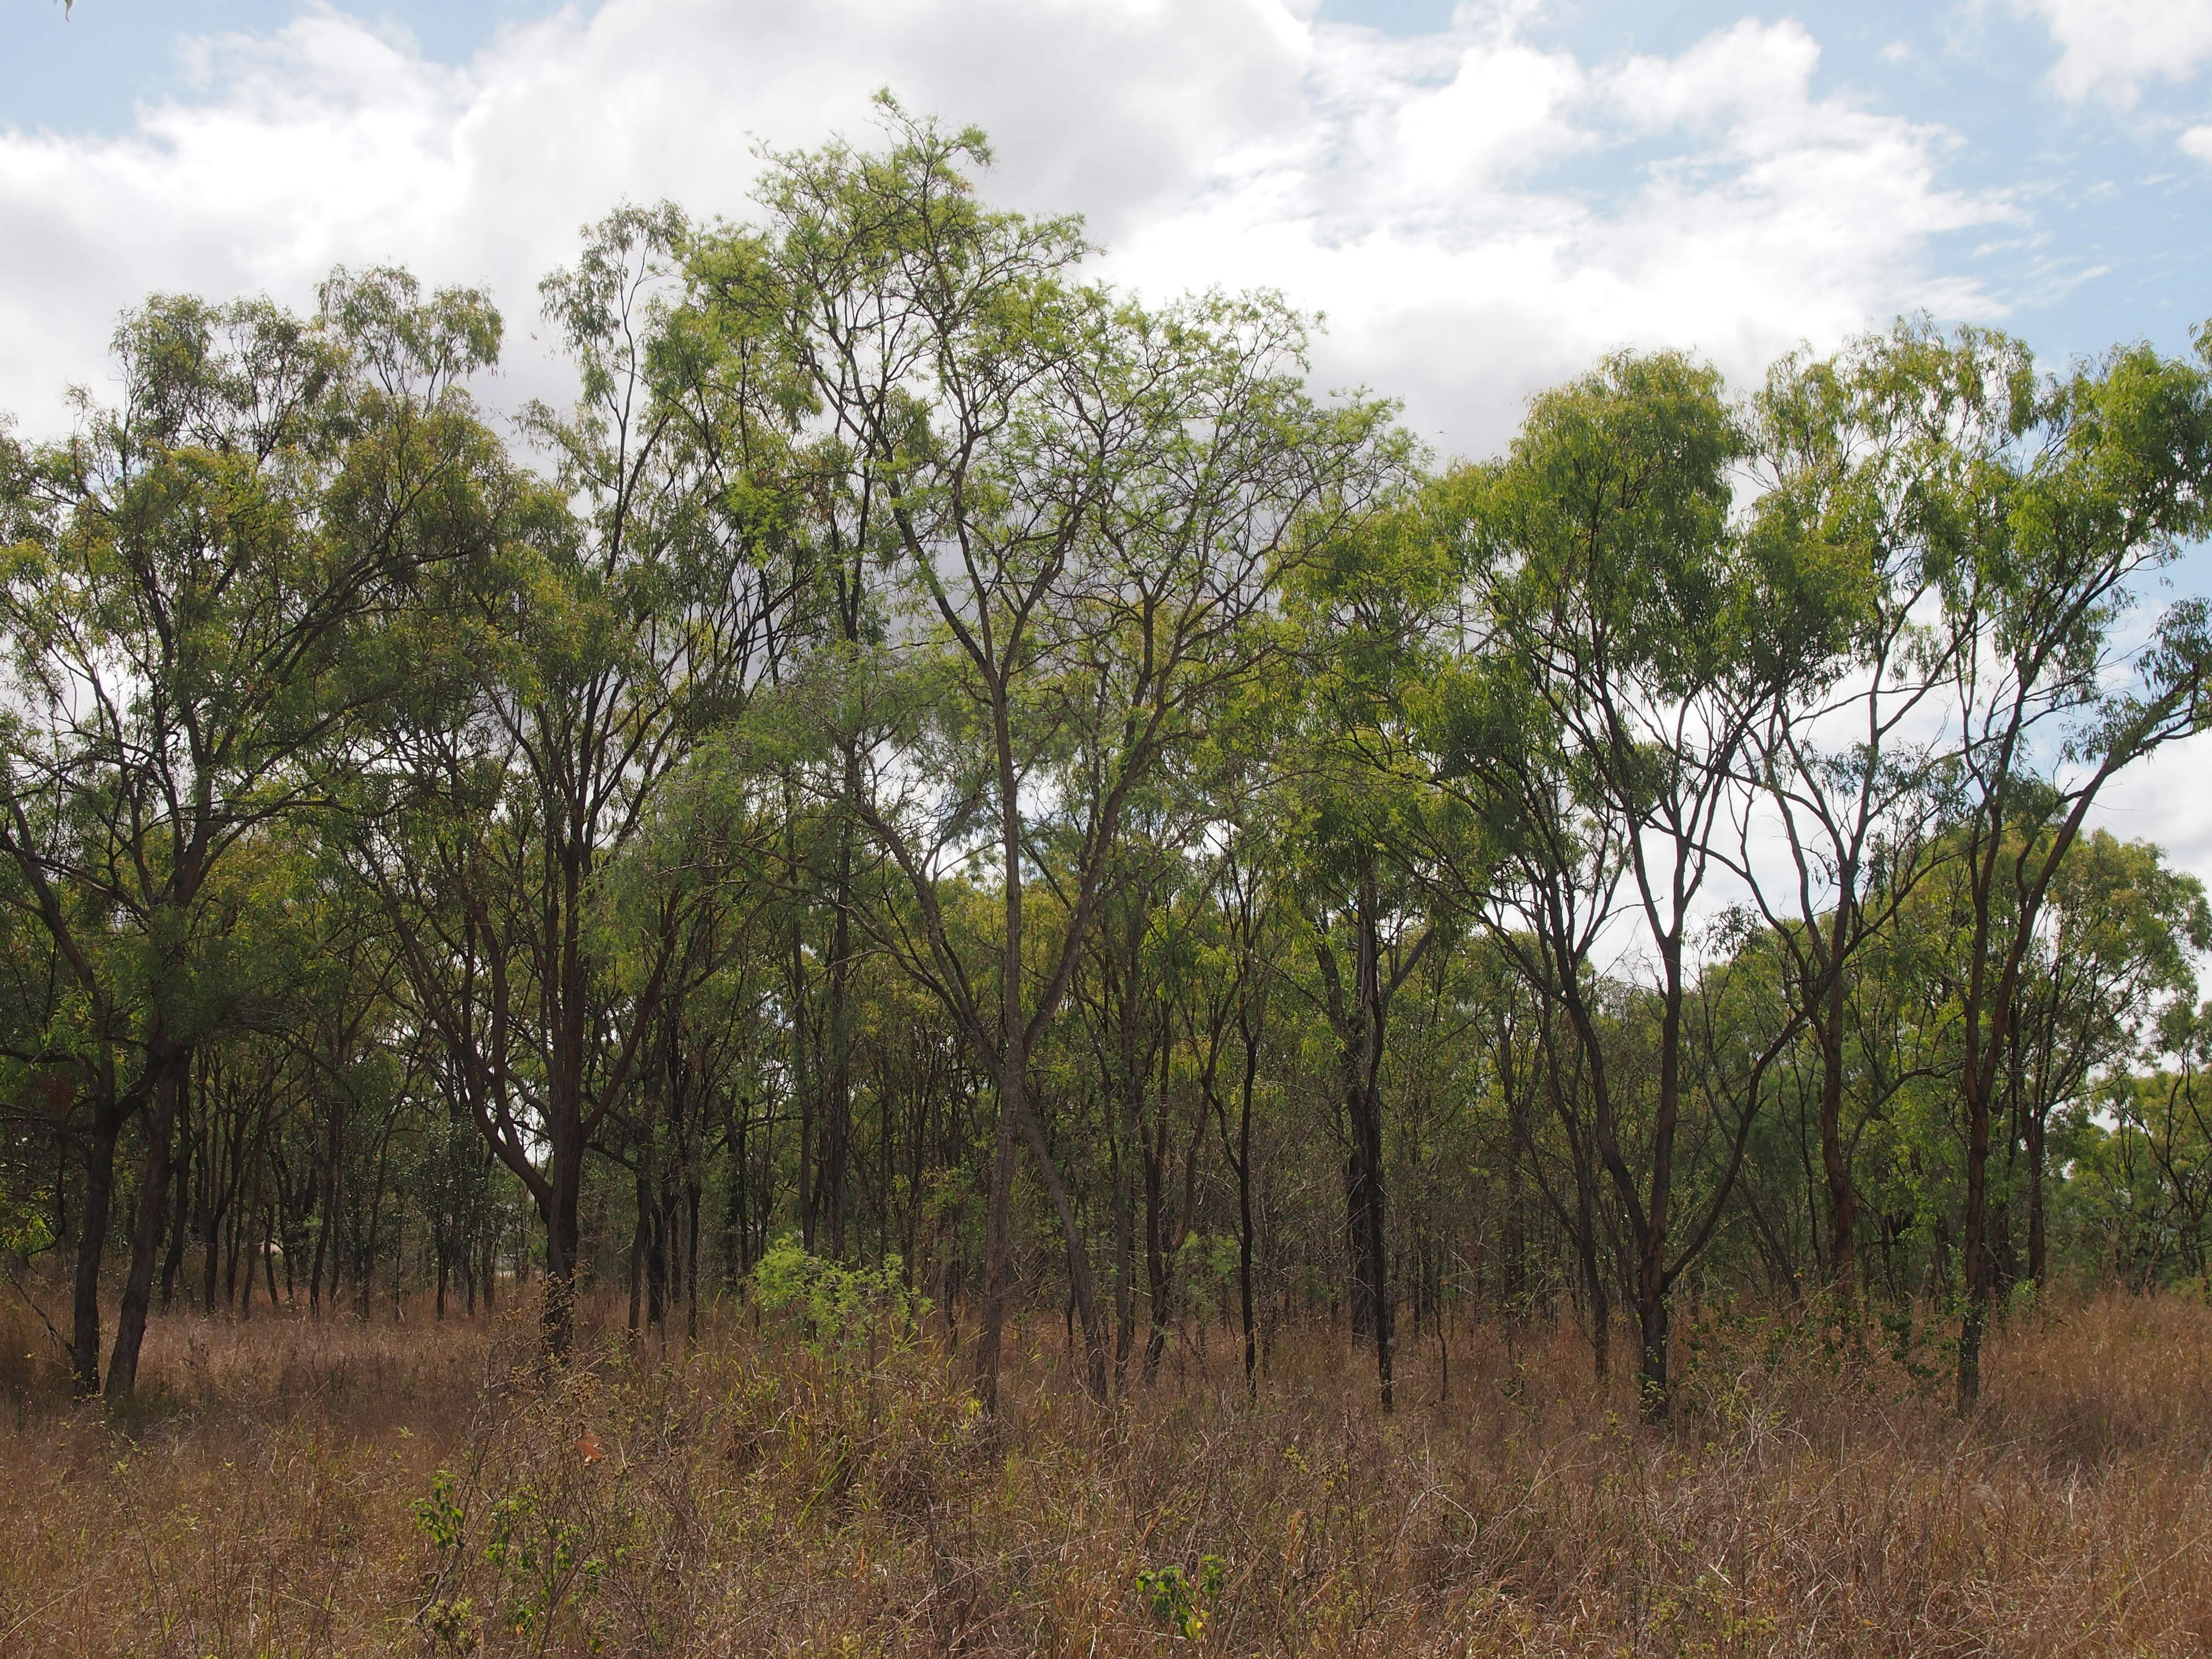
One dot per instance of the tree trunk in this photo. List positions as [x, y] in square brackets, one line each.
[269, 1254]
[173, 1258]
[1976, 1249]
[146, 1231]
[1124, 1251]
[1244, 1205]
[1652, 1282]
[2038, 1261]
[656, 1265]
[1159, 1289]
[558, 1322]
[1368, 1220]
[998, 1258]
[837, 1099]
[736, 1224]
[639, 1225]
[328, 1220]
[92, 1243]
[1842, 1215]
[691, 1197]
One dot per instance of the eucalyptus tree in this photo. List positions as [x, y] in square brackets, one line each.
[205, 598]
[2142, 1189]
[1161, 990]
[1080, 509]
[1847, 763]
[693, 867]
[1532, 858]
[2111, 970]
[1124, 1007]
[1362, 824]
[1248, 915]
[2057, 499]
[635, 607]
[1654, 641]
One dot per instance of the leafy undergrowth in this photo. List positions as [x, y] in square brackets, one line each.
[302, 1488]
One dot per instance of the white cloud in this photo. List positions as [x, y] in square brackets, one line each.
[1709, 200]
[2165, 799]
[1477, 214]
[2198, 142]
[2109, 48]
[330, 141]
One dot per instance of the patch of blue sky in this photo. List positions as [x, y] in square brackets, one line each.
[89, 68]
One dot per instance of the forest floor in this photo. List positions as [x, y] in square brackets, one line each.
[292, 1487]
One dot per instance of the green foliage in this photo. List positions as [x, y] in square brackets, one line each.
[440, 1516]
[543, 1565]
[999, 779]
[543, 1560]
[26, 1230]
[841, 1308]
[1186, 1605]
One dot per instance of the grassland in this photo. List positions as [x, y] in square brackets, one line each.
[292, 1487]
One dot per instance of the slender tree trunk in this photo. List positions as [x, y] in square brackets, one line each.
[173, 1257]
[640, 1225]
[1978, 1077]
[558, 1322]
[1159, 1290]
[1374, 1282]
[1514, 1243]
[332, 1192]
[691, 1196]
[837, 1100]
[1651, 1279]
[269, 1255]
[1244, 1205]
[656, 1266]
[1594, 1290]
[92, 1240]
[1012, 1057]
[210, 1249]
[802, 1090]
[735, 1226]
[1125, 1246]
[1367, 1132]
[146, 1229]
[2038, 1261]
[1842, 1215]
[233, 1242]
[1975, 1245]
[998, 1257]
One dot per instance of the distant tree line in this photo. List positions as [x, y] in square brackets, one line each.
[933, 758]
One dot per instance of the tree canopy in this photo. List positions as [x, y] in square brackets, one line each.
[933, 764]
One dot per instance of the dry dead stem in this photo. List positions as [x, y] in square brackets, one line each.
[299, 1488]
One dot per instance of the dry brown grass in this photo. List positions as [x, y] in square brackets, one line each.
[275, 1496]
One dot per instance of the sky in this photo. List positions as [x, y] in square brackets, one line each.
[1480, 199]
